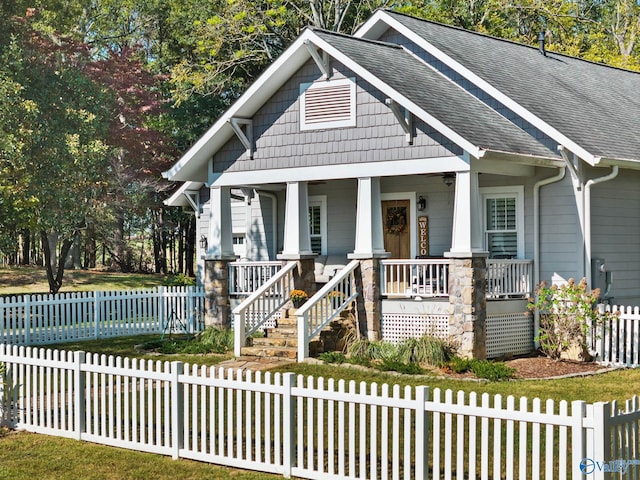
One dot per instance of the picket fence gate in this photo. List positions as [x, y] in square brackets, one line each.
[617, 341]
[312, 428]
[64, 317]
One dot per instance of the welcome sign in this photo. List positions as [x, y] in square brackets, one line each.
[423, 236]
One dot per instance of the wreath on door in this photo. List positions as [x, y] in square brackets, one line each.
[396, 220]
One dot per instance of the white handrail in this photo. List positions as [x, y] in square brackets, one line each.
[261, 305]
[509, 278]
[324, 306]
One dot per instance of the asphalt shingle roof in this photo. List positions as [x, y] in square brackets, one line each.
[596, 106]
[437, 95]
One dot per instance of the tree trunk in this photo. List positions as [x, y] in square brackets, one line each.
[25, 247]
[90, 246]
[190, 246]
[49, 247]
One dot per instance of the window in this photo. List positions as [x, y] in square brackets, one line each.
[318, 224]
[504, 221]
[328, 104]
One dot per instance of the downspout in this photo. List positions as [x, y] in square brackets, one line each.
[274, 218]
[536, 237]
[587, 214]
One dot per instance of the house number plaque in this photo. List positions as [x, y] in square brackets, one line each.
[423, 236]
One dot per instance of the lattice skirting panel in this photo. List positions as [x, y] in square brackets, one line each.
[509, 334]
[397, 327]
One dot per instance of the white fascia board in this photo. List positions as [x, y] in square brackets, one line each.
[350, 170]
[374, 28]
[400, 99]
[193, 162]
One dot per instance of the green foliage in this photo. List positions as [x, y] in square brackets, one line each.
[179, 280]
[212, 340]
[392, 365]
[567, 312]
[332, 357]
[427, 349]
[489, 370]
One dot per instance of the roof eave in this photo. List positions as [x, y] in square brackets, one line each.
[193, 164]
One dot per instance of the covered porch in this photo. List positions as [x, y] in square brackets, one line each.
[399, 258]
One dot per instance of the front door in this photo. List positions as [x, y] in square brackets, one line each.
[396, 224]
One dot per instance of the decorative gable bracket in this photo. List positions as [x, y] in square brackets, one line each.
[323, 61]
[404, 117]
[245, 136]
[194, 200]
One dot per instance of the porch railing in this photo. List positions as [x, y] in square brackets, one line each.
[410, 278]
[430, 278]
[325, 305]
[246, 277]
[262, 305]
[509, 278]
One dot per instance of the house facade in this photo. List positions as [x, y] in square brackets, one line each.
[456, 170]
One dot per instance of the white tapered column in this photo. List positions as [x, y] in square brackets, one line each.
[369, 236]
[466, 238]
[297, 242]
[220, 241]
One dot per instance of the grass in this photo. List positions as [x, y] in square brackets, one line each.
[29, 279]
[28, 456]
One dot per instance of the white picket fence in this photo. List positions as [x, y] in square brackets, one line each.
[617, 342]
[46, 319]
[311, 428]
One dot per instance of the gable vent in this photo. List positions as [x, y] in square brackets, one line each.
[328, 104]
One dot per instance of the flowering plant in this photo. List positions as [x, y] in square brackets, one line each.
[298, 296]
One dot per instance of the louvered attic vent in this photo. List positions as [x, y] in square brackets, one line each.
[328, 104]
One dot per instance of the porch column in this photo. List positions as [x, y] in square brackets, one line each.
[369, 249]
[297, 242]
[468, 270]
[218, 254]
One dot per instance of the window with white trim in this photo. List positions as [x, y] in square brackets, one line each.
[328, 104]
[318, 224]
[504, 221]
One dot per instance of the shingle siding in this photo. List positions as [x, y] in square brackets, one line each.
[279, 143]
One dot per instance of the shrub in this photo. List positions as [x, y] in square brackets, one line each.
[332, 357]
[388, 365]
[494, 371]
[427, 349]
[179, 280]
[567, 312]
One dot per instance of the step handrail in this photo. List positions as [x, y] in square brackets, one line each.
[325, 305]
[273, 295]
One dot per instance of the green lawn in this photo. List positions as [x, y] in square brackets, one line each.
[30, 456]
[28, 279]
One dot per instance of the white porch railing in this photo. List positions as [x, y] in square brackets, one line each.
[262, 305]
[409, 278]
[430, 278]
[509, 278]
[246, 277]
[324, 306]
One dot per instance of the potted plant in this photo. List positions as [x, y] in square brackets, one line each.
[298, 297]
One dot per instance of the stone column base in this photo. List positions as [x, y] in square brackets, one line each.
[468, 302]
[217, 303]
[369, 303]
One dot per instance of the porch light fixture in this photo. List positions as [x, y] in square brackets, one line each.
[422, 203]
[448, 179]
[203, 242]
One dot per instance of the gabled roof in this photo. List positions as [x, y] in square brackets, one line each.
[591, 109]
[427, 93]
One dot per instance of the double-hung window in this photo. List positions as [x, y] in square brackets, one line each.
[318, 224]
[504, 221]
